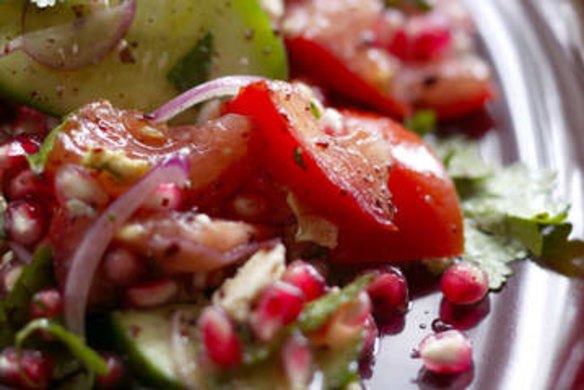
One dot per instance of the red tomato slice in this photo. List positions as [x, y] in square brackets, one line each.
[325, 172]
[428, 216]
[337, 45]
[314, 61]
[123, 146]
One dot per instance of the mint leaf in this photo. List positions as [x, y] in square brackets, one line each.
[38, 160]
[14, 309]
[194, 68]
[317, 312]
[92, 361]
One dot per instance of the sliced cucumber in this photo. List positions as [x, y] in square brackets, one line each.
[161, 40]
[144, 337]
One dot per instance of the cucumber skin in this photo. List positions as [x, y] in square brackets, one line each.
[143, 368]
[144, 85]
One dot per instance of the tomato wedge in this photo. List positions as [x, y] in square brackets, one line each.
[326, 172]
[428, 216]
[392, 64]
[311, 60]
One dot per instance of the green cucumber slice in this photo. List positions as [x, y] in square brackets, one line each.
[160, 42]
[144, 337]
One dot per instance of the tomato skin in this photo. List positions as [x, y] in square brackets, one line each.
[323, 175]
[428, 216]
[314, 61]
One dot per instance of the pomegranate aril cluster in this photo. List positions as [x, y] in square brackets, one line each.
[26, 369]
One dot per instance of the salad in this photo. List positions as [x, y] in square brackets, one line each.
[235, 194]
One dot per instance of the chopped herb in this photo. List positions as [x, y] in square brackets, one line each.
[14, 308]
[422, 5]
[92, 361]
[194, 68]
[38, 160]
[317, 312]
[298, 158]
[422, 122]
[315, 110]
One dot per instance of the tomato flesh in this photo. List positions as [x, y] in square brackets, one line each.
[322, 171]
[428, 215]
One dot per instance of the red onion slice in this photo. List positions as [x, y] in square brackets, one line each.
[88, 255]
[82, 42]
[224, 86]
[21, 253]
[210, 259]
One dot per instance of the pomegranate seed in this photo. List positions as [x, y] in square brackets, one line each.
[73, 182]
[122, 267]
[306, 278]
[447, 352]
[279, 305]
[370, 337]
[25, 222]
[424, 38]
[167, 197]
[30, 370]
[297, 361]
[220, 341]
[389, 293]
[115, 372]
[152, 294]
[13, 154]
[46, 303]
[30, 121]
[464, 283]
[26, 183]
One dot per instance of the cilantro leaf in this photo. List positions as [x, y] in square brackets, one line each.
[14, 308]
[194, 68]
[508, 211]
[491, 252]
[461, 158]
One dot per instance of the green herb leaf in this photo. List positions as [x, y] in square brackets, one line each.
[14, 309]
[422, 5]
[38, 160]
[299, 158]
[316, 313]
[491, 252]
[508, 211]
[91, 360]
[422, 122]
[461, 158]
[194, 68]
